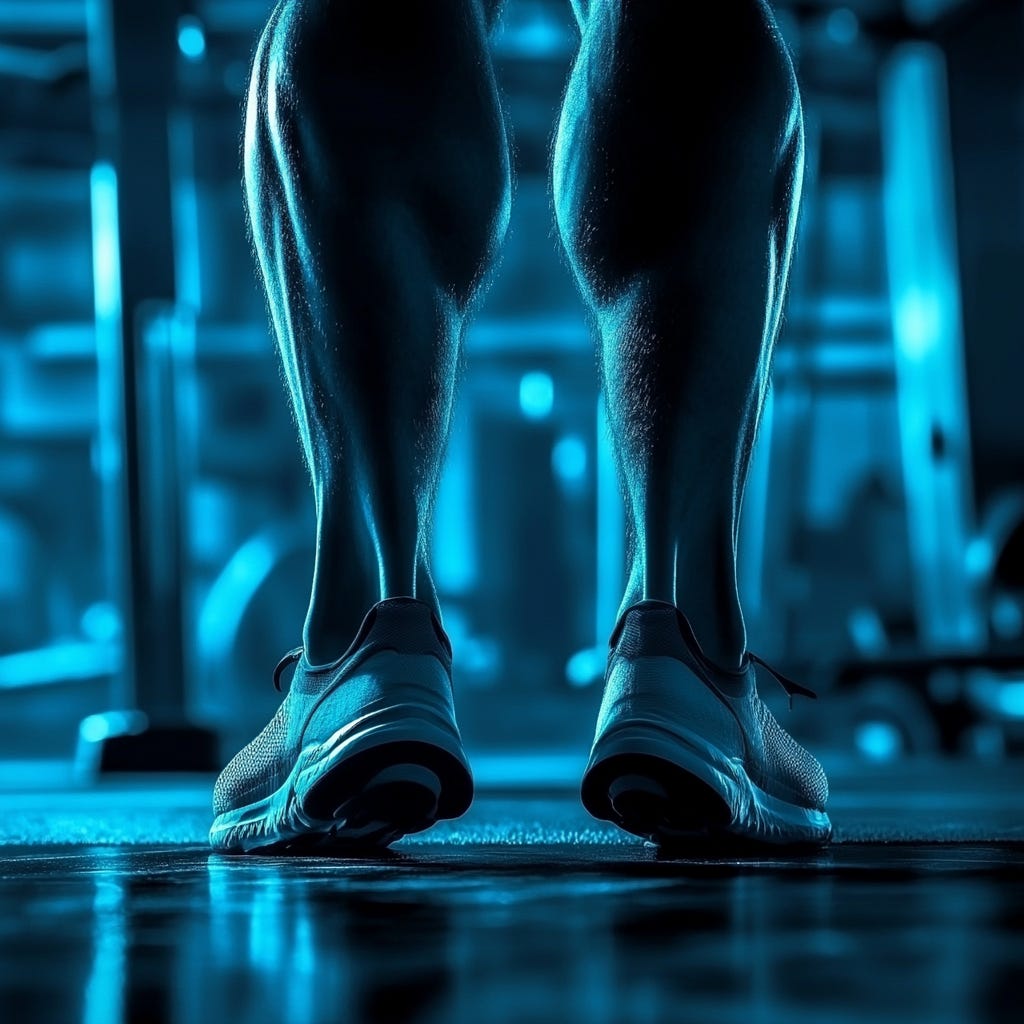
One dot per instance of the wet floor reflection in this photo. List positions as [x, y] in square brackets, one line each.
[500, 935]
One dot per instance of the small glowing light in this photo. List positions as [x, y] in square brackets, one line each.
[532, 32]
[101, 622]
[536, 394]
[867, 630]
[569, 459]
[586, 667]
[880, 741]
[1011, 699]
[1001, 694]
[191, 38]
[979, 556]
[539, 38]
[94, 728]
[842, 26]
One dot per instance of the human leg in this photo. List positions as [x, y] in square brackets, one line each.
[377, 180]
[376, 174]
[677, 183]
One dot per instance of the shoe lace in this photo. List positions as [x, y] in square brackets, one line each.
[289, 659]
[792, 689]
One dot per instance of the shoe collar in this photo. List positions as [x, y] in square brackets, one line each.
[297, 654]
[713, 670]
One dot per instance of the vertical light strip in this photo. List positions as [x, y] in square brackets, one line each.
[611, 534]
[185, 206]
[926, 320]
[454, 542]
[106, 264]
[754, 520]
[100, 37]
[106, 275]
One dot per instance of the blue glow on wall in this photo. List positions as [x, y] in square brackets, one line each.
[924, 290]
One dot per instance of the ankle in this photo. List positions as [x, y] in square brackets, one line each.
[721, 634]
[710, 604]
[323, 644]
[333, 619]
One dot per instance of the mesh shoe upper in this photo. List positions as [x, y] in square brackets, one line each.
[323, 699]
[789, 765]
[656, 671]
[258, 768]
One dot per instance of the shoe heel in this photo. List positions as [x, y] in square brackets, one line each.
[651, 790]
[402, 775]
[400, 800]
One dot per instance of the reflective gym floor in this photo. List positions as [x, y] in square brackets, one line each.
[111, 908]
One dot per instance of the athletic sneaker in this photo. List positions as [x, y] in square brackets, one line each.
[687, 751]
[361, 752]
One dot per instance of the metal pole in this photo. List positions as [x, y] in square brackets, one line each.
[133, 68]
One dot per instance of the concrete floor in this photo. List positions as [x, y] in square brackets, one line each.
[112, 909]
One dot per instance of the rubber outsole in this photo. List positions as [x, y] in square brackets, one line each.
[680, 792]
[360, 802]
